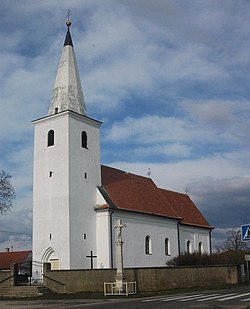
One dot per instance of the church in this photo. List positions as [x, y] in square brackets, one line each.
[77, 201]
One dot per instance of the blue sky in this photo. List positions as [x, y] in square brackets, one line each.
[169, 79]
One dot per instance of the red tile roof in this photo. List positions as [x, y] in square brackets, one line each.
[185, 208]
[132, 192]
[8, 258]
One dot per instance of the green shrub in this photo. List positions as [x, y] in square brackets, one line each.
[219, 258]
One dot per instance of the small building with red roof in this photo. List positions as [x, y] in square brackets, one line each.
[21, 258]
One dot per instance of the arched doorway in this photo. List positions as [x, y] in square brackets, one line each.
[50, 256]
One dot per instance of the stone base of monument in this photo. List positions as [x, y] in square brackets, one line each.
[120, 288]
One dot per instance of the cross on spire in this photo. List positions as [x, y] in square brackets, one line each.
[68, 14]
[68, 22]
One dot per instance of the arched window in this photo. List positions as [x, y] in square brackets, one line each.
[148, 245]
[200, 247]
[167, 246]
[50, 141]
[188, 246]
[84, 139]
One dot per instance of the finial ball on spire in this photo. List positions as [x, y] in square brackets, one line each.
[68, 23]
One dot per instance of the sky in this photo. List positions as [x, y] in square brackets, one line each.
[168, 79]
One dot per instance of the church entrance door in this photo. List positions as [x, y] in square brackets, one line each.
[50, 256]
[54, 264]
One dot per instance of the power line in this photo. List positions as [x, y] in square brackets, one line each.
[17, 233]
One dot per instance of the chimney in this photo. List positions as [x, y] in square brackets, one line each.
[7, 249]
[11, 248]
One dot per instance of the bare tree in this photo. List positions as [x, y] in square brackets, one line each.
[233, 242]
[7, 192]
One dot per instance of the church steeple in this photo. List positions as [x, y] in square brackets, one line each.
[67, 92]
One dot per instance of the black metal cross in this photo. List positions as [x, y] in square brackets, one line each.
[91, 256]
[68, 14]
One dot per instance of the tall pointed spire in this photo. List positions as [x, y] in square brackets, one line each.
[67, 92]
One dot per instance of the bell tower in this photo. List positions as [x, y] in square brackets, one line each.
[66, 173]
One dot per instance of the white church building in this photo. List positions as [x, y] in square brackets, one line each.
[77, 201]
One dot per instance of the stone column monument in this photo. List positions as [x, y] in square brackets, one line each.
[119, 254]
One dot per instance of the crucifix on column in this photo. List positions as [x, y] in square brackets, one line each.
[91, 256]
[119, 254]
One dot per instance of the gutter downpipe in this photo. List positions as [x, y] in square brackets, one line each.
[178, 238]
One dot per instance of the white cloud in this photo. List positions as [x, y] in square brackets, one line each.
[192, 63]
[155, 129]
[229, 119]
[177, 176]
[211, 112]
[173, 150]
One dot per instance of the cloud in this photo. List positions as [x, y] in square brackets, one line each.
[16, 226]
[228, 119]
[170, 150]
[227, 200]
[153, 129]
[211, 112]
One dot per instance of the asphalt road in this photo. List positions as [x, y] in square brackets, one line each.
[233, 298]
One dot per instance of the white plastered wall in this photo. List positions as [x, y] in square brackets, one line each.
[195, 235]
[63, 204]
[138, 227]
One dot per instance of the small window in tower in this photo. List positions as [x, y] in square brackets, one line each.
[50, 236]
[56, 110]
[85, 175]
[50, 138]
[84, 139]
[84, 236]
[50, 173]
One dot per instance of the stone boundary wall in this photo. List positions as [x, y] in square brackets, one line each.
[148, 279]
[4, 274]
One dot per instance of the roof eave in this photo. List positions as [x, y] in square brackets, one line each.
[149, 213]
[198, 225]
[108, 200]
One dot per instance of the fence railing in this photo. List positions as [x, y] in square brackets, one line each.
[125, 288]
